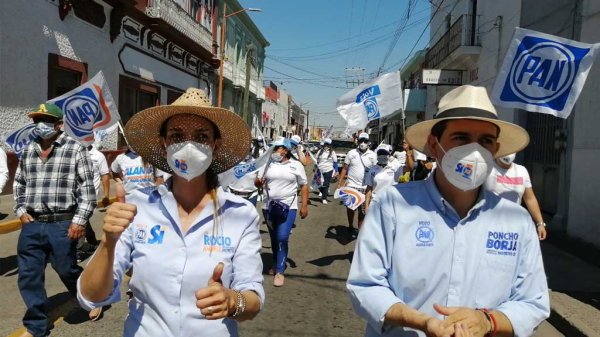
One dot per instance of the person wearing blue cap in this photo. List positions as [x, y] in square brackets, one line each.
[281, 179]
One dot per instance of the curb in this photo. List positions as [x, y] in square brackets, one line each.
[15, 224]
[566, 315]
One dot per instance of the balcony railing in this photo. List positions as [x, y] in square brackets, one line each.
[178, 18]
[461, 33]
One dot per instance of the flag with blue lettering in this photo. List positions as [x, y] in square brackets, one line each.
[378, 98]
[87, 108]
[241, 169]
[19, 139]
[543, 73]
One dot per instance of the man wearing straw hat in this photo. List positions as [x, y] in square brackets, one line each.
[443, 256]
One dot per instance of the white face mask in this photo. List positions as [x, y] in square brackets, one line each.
[507, 160]
[363, 146]
[189, 159]
[467, 166]
[45, 130]
[383, 159]
[276, 157]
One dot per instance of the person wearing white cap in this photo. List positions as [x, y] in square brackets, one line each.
[327, 164]
[356, 166]
[511, 180]
[382, 175]
[444, 256]
[298, 150]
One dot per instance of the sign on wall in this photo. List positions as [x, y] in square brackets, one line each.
[442, 77]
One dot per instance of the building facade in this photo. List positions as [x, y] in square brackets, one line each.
[244, 45]
[150, 52]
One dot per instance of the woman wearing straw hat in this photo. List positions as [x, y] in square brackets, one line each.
[479, 265]
[195, 249]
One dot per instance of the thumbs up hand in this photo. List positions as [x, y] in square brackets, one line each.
[118, 216]
[214, 300]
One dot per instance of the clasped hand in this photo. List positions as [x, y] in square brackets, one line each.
[459, 322]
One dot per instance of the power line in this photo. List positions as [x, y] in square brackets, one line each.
[397, 34]
[302, 81]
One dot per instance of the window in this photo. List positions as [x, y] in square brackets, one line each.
[172, 95]
[64, 74]
[135, 96]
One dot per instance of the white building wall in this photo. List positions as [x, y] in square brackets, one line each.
[584, 182]
[24, 55]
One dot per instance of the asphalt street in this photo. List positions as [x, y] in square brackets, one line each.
[313, 301]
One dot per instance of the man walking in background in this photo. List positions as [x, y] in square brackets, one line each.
[55, 197]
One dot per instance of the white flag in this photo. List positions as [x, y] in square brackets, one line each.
[543, 73]
[87, 108]
[378, 98]
[19, 139]
[237, 172]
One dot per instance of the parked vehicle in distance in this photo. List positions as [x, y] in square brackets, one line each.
[341, 148]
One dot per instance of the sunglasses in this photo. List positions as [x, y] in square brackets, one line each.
[44, 119]
[362, 141]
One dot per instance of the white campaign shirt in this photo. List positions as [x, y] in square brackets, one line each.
[414, 248]
[358, 165]
[381, 177]
[131, 167]
[99, 166]
[283, 181]
[170, 266]
[325, 160]
[509, 183]
[400, 156]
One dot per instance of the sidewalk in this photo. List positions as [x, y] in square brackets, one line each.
[574, 284]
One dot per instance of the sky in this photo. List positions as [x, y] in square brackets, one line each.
[313, 42]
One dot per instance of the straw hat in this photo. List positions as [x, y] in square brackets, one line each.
[469, 102]
[142, 130]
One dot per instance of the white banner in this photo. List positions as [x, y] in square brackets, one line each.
[19, 139]
[373, 100]
[87, 108]
[543, 73]
[237, 172]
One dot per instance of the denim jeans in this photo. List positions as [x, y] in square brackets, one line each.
[325, 188]
[280, 235]
[40, 242]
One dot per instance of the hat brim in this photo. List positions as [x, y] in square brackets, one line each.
[35, 114]
[143, 134]
[512, 138]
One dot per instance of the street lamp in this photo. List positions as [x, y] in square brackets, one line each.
[223, 32]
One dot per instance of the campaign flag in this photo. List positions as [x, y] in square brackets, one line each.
[19, 139]
[350, 197]
[87, 108]
[102, 134]
[543, 73]
[241, 169]
[317, 179]
[378, 98]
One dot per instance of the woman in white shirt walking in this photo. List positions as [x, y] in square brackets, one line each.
[382, 175]
[511, 181]
[281, 180]
[327, 164]
[194, 248]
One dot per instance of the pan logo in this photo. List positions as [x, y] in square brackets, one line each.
[81, 111]
[368, 98]
[542, 72]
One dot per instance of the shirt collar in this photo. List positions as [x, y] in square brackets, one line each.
[443, 205]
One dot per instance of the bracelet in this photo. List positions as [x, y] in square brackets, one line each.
[540, 224]
[240, 304]
[492, 320]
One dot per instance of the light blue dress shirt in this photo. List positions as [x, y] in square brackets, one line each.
[413, 248]
[169, 267]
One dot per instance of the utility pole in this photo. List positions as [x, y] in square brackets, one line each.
[247, 87]
[307, 123]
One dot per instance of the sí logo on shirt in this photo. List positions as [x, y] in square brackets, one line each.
[157, 234]
[502, 243]
[217, 243]
[465, 170]
[424, 234]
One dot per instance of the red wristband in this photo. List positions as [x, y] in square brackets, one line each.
[493, 322]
